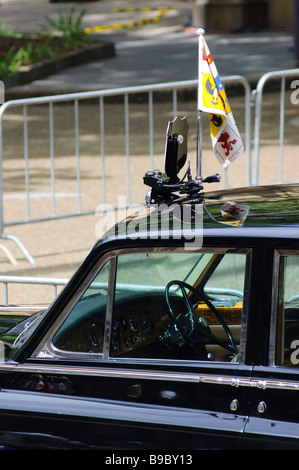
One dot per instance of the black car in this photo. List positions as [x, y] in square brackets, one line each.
[179, 332]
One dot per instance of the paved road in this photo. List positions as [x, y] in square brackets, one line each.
[155, 53]
[172, 57]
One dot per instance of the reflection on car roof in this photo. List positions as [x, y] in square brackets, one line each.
[269, 207]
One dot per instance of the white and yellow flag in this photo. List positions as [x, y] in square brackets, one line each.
[226, 140]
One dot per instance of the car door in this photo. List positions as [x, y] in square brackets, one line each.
[274, 415]
[116, 370]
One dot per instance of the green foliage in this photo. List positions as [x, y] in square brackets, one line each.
[67, 33]
[69, 28]
[12, 60]
[4, 31]
[8, 63]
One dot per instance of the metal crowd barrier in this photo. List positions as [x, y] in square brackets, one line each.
[60, 282]
[101, 95]
[258, 95]
[45, 281]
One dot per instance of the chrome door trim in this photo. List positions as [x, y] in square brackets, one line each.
[7, 366]
[274, 384]
[131, 374]
[233, 381]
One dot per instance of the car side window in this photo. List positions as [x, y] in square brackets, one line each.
[83, 329]
[287, 337]
[178, 306]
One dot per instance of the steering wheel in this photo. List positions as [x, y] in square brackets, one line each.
[198, 322]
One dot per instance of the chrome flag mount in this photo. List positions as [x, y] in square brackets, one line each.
[226, 141]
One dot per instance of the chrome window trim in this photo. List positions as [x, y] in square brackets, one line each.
[109, 306]
[278, 253]
[223, 250]
[245, 307]
[274, 306]
[46, 348]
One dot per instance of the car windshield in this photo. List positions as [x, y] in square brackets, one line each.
[140, 271]
[137, 271]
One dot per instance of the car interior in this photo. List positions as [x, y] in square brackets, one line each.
[168, 306]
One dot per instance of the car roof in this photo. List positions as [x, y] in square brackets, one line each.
[273, 205]
[273, 212]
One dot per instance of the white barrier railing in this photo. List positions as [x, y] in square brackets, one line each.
[59, 282]
[75, 98]
[41, 281]
[258, 95]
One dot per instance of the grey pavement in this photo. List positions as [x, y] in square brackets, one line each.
[155, 53]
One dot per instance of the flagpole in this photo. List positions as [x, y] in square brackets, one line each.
[198, 150]
[200, 32]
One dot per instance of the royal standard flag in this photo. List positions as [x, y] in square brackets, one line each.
[226, 140]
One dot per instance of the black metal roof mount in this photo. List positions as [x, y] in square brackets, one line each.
[162, 191]
[167, 187]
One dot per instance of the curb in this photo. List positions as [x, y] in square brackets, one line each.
[48, 67]
[132, 24]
